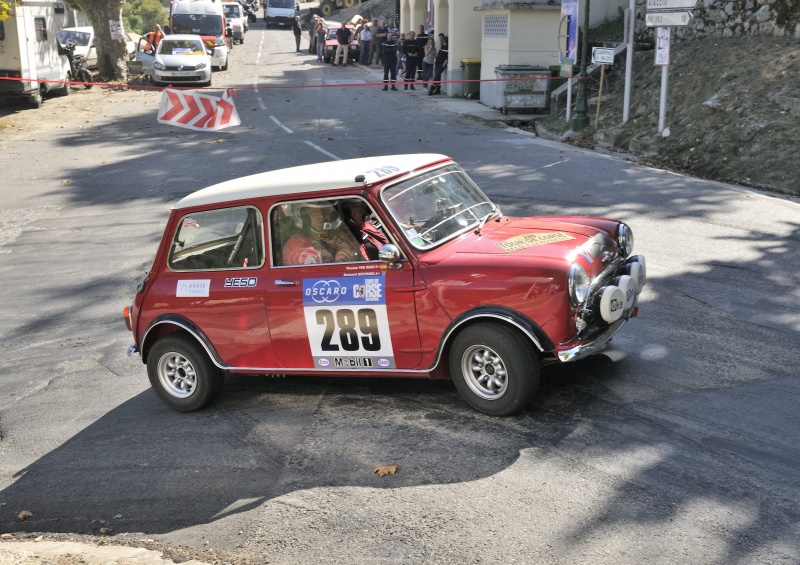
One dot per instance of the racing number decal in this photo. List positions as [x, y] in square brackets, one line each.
[347, 323]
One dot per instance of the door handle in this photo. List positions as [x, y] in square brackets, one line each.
[286, 283]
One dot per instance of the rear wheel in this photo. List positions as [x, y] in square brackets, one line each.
[494, 368]
[182, 374]
[67, 79]
[35, 98]
[349, 3]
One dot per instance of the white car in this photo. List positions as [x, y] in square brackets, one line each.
[178, 59]
[237, 20]
[84, 43]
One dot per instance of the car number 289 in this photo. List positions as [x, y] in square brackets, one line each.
[356, 330]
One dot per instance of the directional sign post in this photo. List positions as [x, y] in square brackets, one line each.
[665, 19]
[660, 5]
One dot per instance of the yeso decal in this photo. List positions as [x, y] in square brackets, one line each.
[241, 282]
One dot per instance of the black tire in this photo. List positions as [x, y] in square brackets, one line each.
[182, 374]
[326, 8]
[85, 77]
[225, 66]
[495, 368]
[349, 3]
[35, 99]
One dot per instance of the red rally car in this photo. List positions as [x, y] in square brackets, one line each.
[387, 266]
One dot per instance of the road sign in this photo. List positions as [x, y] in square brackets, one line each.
[196, 111]
[658, 5]
[602, 55]
[664, 19]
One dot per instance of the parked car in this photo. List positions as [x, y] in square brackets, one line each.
[331, 43]
[84, 43]
[236, 20]
[178, 59]
[242, 283]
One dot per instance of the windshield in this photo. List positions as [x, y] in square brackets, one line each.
[282, 3]
[232, 11]
[197, 24]
[181, 47]
[437, 205]
[79, 37]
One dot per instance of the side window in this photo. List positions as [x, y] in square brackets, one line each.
[40, 25]
[313, 232]
[230, 238]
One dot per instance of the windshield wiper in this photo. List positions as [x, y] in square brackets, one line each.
[485, 219]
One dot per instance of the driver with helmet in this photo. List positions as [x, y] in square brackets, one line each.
[323, 238]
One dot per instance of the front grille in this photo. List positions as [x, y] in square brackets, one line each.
[183, 68]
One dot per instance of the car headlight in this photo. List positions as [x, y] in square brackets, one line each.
[159, 66]
[200, 66]
[219, 42]
[625, 240]
[578, 284]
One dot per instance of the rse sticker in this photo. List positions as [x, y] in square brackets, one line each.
[198, 287]
[347, 323]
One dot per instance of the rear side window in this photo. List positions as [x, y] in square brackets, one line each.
[230, 238]
[40, 25]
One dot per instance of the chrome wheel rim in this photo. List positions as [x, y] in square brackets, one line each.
[177, 375]
[484, 372]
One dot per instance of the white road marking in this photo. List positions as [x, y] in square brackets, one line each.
[321, 150]
[255, 81]
[274, 119]
[556, 163]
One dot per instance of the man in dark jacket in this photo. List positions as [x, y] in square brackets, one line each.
[297, 33]
[438, 68]
[422, 41]
[389, 58]
[343, 39]
[411, 51]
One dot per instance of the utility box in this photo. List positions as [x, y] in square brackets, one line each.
[472, 71]
[528, 88]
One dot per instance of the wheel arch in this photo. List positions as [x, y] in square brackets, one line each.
[172, 323]
[491, 314]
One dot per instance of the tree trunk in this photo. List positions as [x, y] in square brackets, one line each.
[111, 53]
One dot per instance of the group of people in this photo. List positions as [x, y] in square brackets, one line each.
[414, 57]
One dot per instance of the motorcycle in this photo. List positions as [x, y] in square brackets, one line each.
[79, 67]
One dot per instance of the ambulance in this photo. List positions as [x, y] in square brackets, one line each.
[206, 19]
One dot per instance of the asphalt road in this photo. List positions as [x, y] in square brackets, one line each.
[679, 443]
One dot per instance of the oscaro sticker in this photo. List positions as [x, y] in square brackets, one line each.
[241, 282]
[532, 240]
[197, 287]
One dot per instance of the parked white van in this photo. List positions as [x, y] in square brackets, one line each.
[237, 21]
[279, 12]
[206, 19]
[29, 50]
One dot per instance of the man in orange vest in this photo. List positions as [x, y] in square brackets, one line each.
[154, 37]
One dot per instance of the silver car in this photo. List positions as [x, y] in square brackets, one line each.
[178, 59]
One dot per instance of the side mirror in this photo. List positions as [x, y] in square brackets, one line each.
[390, 254]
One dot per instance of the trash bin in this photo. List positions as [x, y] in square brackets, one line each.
[472, 71]
[527, 91]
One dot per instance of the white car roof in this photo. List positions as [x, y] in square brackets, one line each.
[310, 178]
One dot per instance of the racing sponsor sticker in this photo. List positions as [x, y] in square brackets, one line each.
[532, 240]
[240, 282]
[195, 287]
[347, 322]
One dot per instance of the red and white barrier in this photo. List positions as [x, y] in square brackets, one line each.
[200, 112]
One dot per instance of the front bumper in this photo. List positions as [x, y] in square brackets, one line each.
[180, 77]
[591, 347]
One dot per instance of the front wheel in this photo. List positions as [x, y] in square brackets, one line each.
[182, 374]
[494, 368]
[86, 78]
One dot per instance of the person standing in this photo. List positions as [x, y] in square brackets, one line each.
[319, 38]
[297, 33]
[428, 58]
[366, 40]
[440, 65]
[422, 41]
[389, 58]
[380, 35]
[154, 37]
[411, 51]
[312, 34]
[343, 38]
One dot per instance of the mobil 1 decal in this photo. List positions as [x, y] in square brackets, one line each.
[347, 324]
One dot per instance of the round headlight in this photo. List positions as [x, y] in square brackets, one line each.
[578, 284]
[625, 240]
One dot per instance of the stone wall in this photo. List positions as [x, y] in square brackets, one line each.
[734, 18]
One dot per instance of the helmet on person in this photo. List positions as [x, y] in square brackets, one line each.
[70, 43]
[331, 219]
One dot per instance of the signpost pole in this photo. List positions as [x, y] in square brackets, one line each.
[662, 104]
[599, 95]
[626, 105]
[581, 120]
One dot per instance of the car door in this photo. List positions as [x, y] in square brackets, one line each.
[354, 315]
[146, 54]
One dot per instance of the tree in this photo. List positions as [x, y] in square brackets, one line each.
[111, 53]
[141, 15]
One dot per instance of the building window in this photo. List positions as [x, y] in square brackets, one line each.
[41, 29]
[495, 26]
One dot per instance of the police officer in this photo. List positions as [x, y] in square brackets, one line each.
[389, 57]
[411, 51]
